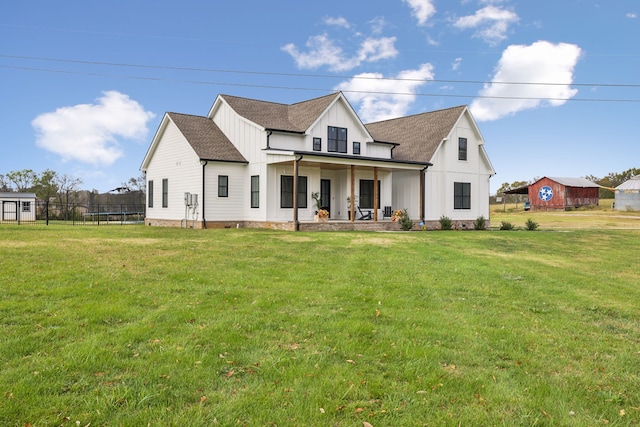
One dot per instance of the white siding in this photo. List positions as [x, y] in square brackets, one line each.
[175, 160]
[447, 169]
[406, 192]
[235, 205]
[247, 137]
[340, 115]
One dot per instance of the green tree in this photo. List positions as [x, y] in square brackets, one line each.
[45, 185]
[23, 180]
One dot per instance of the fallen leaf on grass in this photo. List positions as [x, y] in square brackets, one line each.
[366, 424]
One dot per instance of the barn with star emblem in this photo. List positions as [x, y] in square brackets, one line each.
[560, 193]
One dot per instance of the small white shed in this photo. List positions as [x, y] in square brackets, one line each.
[17, 207]
[628, 195]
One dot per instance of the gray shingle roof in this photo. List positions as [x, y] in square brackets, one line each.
[419, 135]
[206, 138]
[270, 115]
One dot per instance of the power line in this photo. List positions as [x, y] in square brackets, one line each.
[320, 89]
[333, 76]
[371, 92]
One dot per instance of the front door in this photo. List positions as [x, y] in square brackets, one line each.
[325, 194]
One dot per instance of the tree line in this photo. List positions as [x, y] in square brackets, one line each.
[608, 182]
[64, 189]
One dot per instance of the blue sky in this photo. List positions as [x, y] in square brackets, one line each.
[84, 85]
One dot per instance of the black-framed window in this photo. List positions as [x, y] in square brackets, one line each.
[337, 140]
[462, 195]
[150, 194]
[223, 186]
[255, 191]
[26, 206]
[356, 147]
[165, 192]
[317, 144]
[286, 191]
[365, 197]
[462, 148]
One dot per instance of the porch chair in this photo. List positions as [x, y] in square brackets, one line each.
[388, 212]
[364, 215]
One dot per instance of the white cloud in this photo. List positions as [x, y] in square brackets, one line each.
[322, 51]
[632, 15]
[541, 62]
[491, 23]
[422, 10]
[337, 22]
[456, 64]
[381, 99]
[377, 24]
[89, 132]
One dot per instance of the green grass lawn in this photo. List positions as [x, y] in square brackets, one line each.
[138, 326]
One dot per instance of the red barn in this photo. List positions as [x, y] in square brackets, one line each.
[563, 193]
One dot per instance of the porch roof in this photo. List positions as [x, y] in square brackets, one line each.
[330, 160]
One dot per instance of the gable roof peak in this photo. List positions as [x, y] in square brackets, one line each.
[296, 117]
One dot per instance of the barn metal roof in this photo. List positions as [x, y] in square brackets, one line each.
[632, 183]
[567, 182]
[575, 182]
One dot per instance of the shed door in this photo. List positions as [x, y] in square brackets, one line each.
[9, 211]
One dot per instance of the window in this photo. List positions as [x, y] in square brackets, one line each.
[165, 193]
[150, 194]
[461, 195]
[26, 206]
[356, 148]
[223, 186]
[286, 191]
[317, 144]
[462, 148]
[337, 140]
[366, 194]
[255, 191]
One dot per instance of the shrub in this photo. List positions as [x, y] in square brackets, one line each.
[405, 222]
[531, 225]
[506, 225]
[480, 223]
[445, 223]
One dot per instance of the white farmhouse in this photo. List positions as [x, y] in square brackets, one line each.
[252, 163]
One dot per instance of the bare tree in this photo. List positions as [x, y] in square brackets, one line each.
[4, 184]
[67, 187]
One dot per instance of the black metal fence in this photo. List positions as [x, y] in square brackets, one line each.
[46, 213]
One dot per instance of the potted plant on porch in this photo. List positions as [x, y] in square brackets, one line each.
[320, 214]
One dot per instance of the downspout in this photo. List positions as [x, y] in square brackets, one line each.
[269, 133]
[204, 221]
[422, 195]
[296, 223]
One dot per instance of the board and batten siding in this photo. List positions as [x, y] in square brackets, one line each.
[340, 116]
[175, 160]
[447, 169]
[249, 138]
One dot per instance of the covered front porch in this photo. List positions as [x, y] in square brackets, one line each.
[348, 187]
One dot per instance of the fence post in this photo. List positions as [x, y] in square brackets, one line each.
[46, 211]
